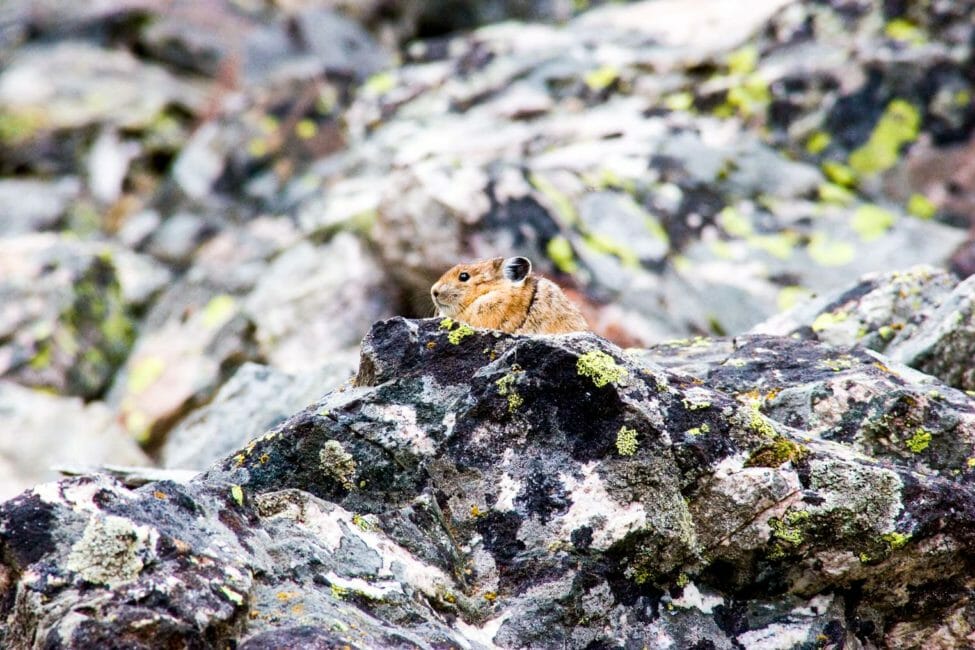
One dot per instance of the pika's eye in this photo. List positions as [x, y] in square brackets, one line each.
[464, 277]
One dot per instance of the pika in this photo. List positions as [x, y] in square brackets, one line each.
[502, 294]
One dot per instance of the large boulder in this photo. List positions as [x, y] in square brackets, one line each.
[479, 489]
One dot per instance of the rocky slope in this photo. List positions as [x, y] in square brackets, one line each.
[472, 489]
[189, 187]
[204, 207]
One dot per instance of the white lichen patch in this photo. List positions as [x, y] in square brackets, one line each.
[508, 489]
[777, 636]
[112, 550]
[402, 419]
[79, 496]
[484, 635]
[694, 598]
[868, 496]
[593, 506]
[377, 590]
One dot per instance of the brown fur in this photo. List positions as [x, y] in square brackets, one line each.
[491, 300]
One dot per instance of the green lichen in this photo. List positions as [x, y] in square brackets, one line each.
[839, 363]
[682, 579]
[506, 388]
[680, 101]
[789, 528]
[895, 540]
[818, 142]
[18, 127]
[903, 30]
[601, 368]
[218, 311]
[871, 222]
[144, 374]
[561, 203]
[921, 207]
[559, 250]
[338, 463]
[232, 596]
[363, 524]
[835, 194]
[830, 252]
[626, 442]
[237, 493]
[899, 125]
[692, 405]
[734, 223]
[780, 451]
[604, 244]
[828, 320]
[456, 334]
[919, 441]
[839, 173]
[379, 83]
[601, 78]
[760, 424]
[697, 431]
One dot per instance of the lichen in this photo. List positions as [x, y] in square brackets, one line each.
[921, 207]
[559, 250]
[456, 332]
[112, 550]
[506, 388]
[697, 431]
[919, 441]
[895, 540]
[626, 442]
[237, 493]
[601, 78]
[338, 463]
[692, 405]
[871, 222]
[218, 311]
[898, 126]
[780, 451]
[828, 320]
[601, 368]
[788, 529]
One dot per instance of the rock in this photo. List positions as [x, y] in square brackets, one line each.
[178, 237]
[34, 205]
[66, 321]
[921, 317]
[535, 491]
[315, 301]
[255, 399]
[192, 340]
[62, 430]
[70, 85]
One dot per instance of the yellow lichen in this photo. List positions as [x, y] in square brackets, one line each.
[601, 368]
[626, 442]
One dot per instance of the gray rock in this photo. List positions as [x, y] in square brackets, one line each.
[31, 205]
[62, 430]
[484, 490]
[69, 85]
[255, 399]
[66, 323]
[921, 317]
[315, 301]
[178, 237]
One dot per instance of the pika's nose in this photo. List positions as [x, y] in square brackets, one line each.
[436, 293]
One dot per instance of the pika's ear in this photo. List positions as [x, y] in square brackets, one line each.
[517, 269]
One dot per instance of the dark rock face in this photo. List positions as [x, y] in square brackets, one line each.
[474, 489]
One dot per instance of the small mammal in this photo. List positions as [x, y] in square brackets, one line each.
[502, 294]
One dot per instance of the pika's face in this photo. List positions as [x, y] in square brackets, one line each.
[460, 286]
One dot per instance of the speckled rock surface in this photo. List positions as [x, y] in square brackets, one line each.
[922, 317]
[482, 490]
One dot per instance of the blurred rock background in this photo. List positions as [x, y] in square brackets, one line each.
[205, 204]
